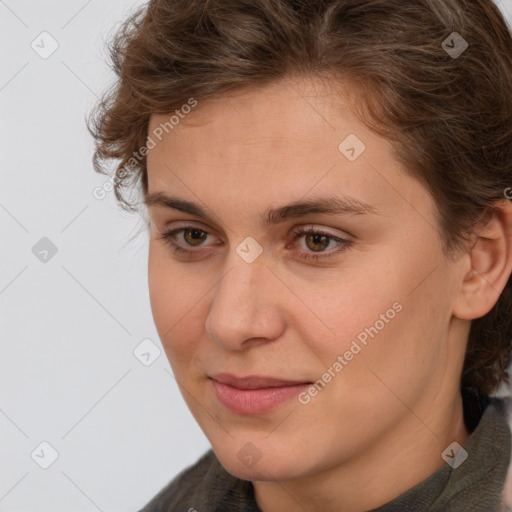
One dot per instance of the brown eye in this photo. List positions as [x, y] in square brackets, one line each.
[317, 242]
[194, 237]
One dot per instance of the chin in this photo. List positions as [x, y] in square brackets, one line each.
[251, 474]
[270, 468]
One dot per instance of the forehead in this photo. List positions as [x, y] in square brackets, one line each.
[302, 113]
[288, 139]
[286, 120]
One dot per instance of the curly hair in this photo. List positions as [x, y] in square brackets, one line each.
[448, 117]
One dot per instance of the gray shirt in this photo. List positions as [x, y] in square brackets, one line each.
[475, 486]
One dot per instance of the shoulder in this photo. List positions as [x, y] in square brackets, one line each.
[205, 486]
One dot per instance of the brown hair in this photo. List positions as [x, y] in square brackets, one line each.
[448, 117]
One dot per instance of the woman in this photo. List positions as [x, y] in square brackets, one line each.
[327, 186]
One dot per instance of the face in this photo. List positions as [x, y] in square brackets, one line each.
[297, 281]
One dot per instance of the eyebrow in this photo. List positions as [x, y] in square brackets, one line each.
[333, 205]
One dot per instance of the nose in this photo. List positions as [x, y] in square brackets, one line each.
[247, 306]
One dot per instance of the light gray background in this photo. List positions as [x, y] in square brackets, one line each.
[69, 326]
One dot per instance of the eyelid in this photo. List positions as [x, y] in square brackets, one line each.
[298, 227]
[187, 224]
[320, 229]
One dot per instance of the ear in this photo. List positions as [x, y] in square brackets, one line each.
[488, 264]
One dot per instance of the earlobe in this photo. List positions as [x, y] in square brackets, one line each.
[490, 259]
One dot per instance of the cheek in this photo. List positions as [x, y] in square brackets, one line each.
[161, 294]
[349, 305]
[376, 323]
[178, 301]
[172, 302]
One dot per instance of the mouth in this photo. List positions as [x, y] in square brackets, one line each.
[254, 394]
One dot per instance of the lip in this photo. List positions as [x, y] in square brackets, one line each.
[254, 394]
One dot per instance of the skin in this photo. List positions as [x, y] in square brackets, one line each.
[380, 425]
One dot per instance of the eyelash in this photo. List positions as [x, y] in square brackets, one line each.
[170, 236]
